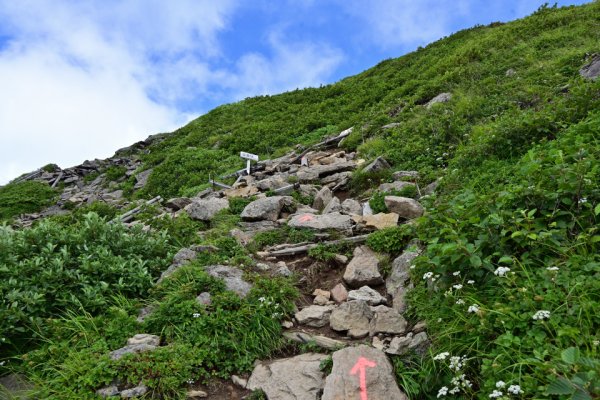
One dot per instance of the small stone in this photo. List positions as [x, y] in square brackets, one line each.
[129, 349]
[378, 343]
[387, 320]
[287, 324]
[108, 391]
[340, 259]
[339, 293]
[396, 185]
[284, 271]
[419, 327]
[351, 316]
[178, 203]
[365, 293]
[196, 394]
[332, 206]
[206, 209]
[351, 207]
[377, 221]
[399, 345]
[204, 298]
[320, 300]
[323, 197]
[144, 338]
[378, 164]
[321, 292]
[137, 391]
[418, 339]
[241, 382]
[262, 266]
[363, 269]
[315, 316]
[232, 278]
[440, 98]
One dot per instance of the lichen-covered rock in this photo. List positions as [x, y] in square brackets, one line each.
[205, 209]
[363, 269]
[352, 316]
[267, 208]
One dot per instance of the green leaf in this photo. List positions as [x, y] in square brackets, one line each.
[581, 395]
[505, 260]
[597, 209]
[570, 355]
[475, 260]
[560, 386]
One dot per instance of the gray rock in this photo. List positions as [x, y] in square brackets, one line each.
[344, 380]
[365, 293]
[378, 164]
[322, 198]
[137, 391]
[333, 206]
[108, 391]
[418, 340]
[183, 257]
[284, 271]
[196, 394]
[204, 299]
[336, 178]
[440, 98]
[396, 282]
[351, 207]
[267, 208]
[296, 378]
[403, 206]
[387, 320]
[142, 179]
[419, 327]
[339, 293]
[262, 267]
[367, 210]
[391, 125]
[510, 72]
[241, 382]
[592, 70]
[431, 188]
[396, 185]
[205, 209]
[232, 277]
[363, 269]
[399, 345]
[400, 175]
[145, 312]
[315, 316]
[352, 316]
[144, 338]
[324, 222]
[178, 203]
[131, 349]
[314, 173]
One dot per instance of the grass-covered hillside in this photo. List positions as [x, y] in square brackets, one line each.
[506, 279]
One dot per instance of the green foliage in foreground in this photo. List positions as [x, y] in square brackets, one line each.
[52, 268]
[510, 278]
[24, 197]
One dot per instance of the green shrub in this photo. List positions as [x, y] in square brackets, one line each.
[391, 240]
[324, 252]
[24, 197]
[237, 204]
[377, 203]
[115, 173]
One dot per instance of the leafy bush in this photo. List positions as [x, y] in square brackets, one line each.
[391, 240]
[237, 204]
[115, 172]
[377, 203]
[24, 197]
[282, 235]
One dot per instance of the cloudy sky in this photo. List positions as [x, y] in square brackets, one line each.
[82, 78]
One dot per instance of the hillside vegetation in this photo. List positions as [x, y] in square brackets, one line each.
[508, 273]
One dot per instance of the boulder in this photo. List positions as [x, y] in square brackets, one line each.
[137, 391]
[323, 197]
[351, 207]
[440, 98]
[401, 175]
[144, 338]
[378, 164]
[178, 203]
[267, 208]
[324, 222]
[296, 378]
[365, 293]
[396, 185]
[142, 178]
[245, 191]
[377, 221]
[363, 269]
[315, 316]
[403, 206]
[592, 70]
[339, 293]
[232, 277]
[205, 209]
[396, 282]
[352, 316]
[353, 364]
[387, 320]
[131, 349]
[333, 206]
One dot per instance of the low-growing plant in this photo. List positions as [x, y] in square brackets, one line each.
[391, 240]
[24, 197]
[377, 203]
[115, 173]
[237, 204]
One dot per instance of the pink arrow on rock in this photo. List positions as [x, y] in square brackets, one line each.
[361, 368]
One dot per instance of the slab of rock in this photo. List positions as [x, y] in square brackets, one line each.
[267, 208]
[137, 391]
[387, 320]
[296, 378]
[336, 178]
[351, 207]
[399, 175]
[178, 203]
[396, 282]
[440, 98]
[323, 197]
[378, 164]
[363, 269]
[339, 293]
[232, 277]
[592, 70]
[377, 221]
[205, 209]
[333, 206]
[352, 316]
[196, 394]
[403, 206]
[313, 173]
[324, 222]
[401, 345]
[131, 349]
[108, 391]
[144, 338]
[315, 315]
[183, 257]
[142, 179]
[321, 341]
[245, 191]
[348, 364]
[396, 185]
[365, 293]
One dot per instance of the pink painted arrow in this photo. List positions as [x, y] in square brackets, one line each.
[361, 368]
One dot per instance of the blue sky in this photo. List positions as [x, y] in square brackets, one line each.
[82, 78]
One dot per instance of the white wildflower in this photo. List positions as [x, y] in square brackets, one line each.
[501, 271]
[552, 268]
[496, 393]
[596, 342]
[460, 302]
[441, 356]
[413, 266]
[500, 384]
[456, 363]
[473, 309]
[458, 286]
[456, 273]
[583, 200]
[442, 392]
[261, 299]
[542, 314]
[514, 389]
[454, 390]
[427, 275]
[470, 281]
[2, 363]
[190, 381]
[196, 315]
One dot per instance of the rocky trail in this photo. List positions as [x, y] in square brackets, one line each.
[349, 306]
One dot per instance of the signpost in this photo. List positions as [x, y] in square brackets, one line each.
[249, 157]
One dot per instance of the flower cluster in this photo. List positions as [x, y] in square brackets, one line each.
[501, 271]
[514, 389]
[456, 362]
[441, 356]
[542, 314]
[552, 268]
[496, 394]
[473, 309]
[196, 315]
[460, 381]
